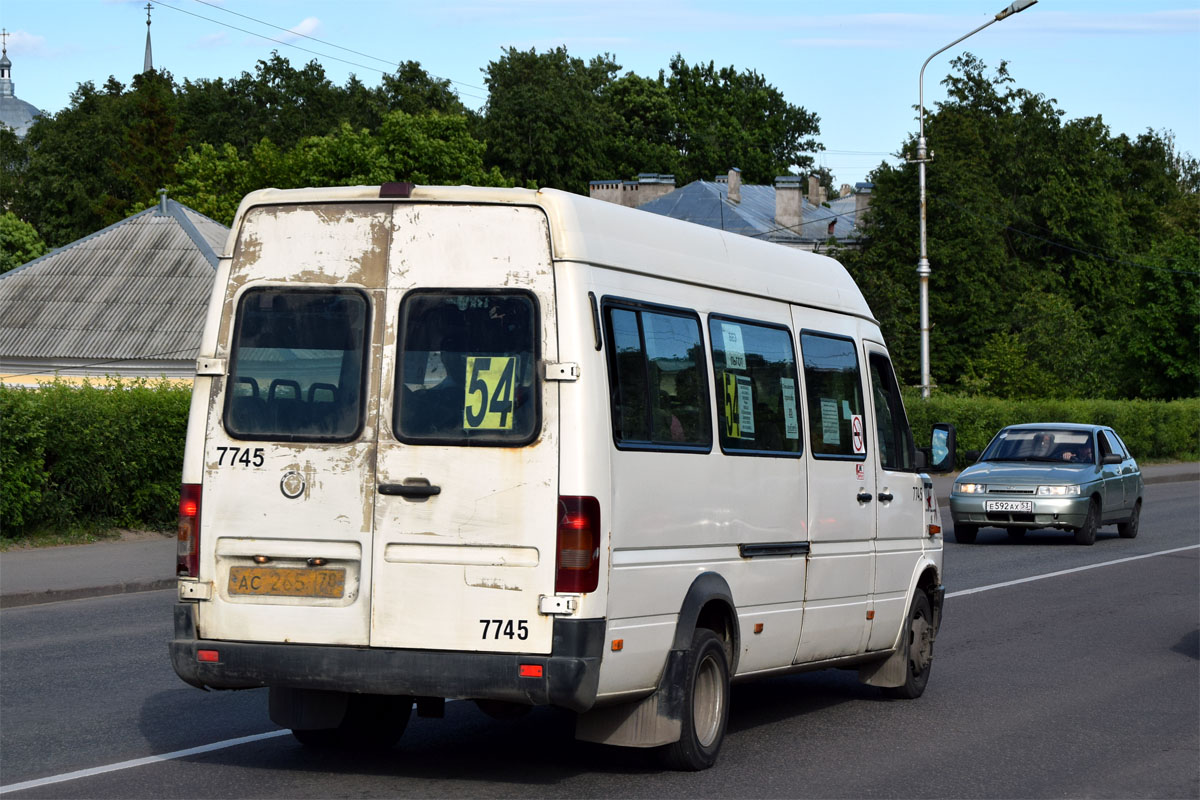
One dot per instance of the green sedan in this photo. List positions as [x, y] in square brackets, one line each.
[1049, 475]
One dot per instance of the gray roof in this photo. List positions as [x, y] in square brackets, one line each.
[707, 203]
[137, 290]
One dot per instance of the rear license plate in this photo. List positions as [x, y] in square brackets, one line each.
[1008, 505]
[287, 582]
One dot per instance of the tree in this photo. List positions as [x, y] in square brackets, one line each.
[725, 118]
[545, 122]
[67, 182]
[19, 242]
[430, 148]
[1041, 234]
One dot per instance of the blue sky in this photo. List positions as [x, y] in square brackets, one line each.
[855, 64]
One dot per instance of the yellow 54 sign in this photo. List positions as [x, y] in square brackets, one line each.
[488, 402]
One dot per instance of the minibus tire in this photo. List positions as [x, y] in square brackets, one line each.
[918, 648]
[372, 722]
[705, 710]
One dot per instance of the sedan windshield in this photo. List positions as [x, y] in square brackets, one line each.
[1049, 445]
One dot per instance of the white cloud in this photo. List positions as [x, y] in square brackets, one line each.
[24, 43]
[306, 27]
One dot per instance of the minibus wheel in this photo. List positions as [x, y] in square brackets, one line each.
[372, 722]
[918, 645]
[705, 705]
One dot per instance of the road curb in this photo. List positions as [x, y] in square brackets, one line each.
[19, 599]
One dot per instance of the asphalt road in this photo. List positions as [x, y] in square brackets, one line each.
[1082, 684]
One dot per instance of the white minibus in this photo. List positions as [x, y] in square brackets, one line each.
[529, 448]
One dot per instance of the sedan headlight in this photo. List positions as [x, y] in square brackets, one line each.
[1058, 491]
[970, 488]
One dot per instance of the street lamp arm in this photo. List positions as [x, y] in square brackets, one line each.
[923, 270]
[921, 78]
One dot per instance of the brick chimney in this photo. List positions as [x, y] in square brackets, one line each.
[862, 202]
[735, 185]
[632, 194]
[814, 191]
[788, 199]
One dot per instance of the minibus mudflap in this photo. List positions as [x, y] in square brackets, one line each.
[569, 675]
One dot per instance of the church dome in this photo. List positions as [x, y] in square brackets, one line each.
[15, 113]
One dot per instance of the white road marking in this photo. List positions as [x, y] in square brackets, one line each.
[988, 588]
[208, 748]
[141, 762]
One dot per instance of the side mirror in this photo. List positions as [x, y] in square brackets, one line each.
[1112, 458]
[972, 455]
[942, 447]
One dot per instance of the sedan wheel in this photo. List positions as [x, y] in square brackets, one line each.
[1129, 529]
[1087, 533]
[965, 534]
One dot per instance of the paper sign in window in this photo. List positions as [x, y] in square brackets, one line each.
[791, 422]
[735, 351]
[831, 429]
[488, 400]
[738, 406]
[745, 390]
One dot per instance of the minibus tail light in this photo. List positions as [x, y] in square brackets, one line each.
[187, 547]
[578, 552]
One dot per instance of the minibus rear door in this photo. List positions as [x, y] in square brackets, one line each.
[467, 474]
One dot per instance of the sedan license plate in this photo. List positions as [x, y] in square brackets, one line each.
[1008, 505]
[287, 582]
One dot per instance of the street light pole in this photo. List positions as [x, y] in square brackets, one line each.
[923, 270]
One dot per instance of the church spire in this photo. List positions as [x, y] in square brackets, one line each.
[149, 64]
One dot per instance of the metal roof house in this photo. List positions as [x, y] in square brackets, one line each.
[779, 213]
[129, 300]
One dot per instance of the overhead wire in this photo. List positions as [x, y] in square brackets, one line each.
[322, 41]
[296, 46]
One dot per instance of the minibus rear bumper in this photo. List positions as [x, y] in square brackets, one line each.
[569, 675]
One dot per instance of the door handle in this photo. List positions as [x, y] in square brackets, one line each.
[864, 496]
[885, 497]
[410, 490]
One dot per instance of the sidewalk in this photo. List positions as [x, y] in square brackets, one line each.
[45, 575]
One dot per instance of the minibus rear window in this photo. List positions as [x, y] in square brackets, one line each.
[297, 365]
[467, 368]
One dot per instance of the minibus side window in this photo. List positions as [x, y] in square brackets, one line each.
[467, 368]
[896, 449]
[758, 394]
[656, 373]
[835, 404]
[297, 365]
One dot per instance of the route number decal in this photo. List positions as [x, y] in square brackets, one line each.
[240, 456]
[491, 387]
[505, 628]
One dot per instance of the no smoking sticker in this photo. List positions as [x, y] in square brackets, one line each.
[856, 434]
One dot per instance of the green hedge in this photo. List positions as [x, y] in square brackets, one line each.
[1153, 429]
[91, 456]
